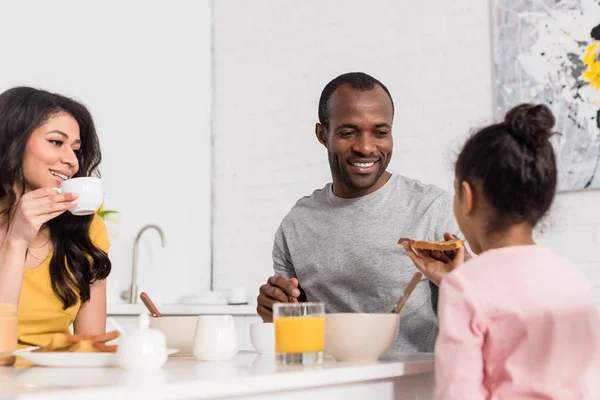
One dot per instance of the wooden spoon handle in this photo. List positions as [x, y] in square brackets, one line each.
[150, 305]
[409, 289]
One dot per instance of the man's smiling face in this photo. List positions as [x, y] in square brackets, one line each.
[358, 139]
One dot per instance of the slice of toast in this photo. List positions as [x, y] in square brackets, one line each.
[446, 245]
[62, 342]
[87, 346]
[83, 346]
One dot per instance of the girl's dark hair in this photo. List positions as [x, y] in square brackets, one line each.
[514, 166]
[76, 261]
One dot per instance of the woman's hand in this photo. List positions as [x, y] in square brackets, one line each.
[437, 264]
[34, 209]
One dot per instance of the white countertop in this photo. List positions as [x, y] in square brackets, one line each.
[182, 309]
[186, 377]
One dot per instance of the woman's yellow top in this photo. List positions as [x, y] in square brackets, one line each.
[40, 312]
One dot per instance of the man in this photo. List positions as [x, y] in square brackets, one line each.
[339, 245]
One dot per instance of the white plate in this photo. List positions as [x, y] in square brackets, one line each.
[64, 359]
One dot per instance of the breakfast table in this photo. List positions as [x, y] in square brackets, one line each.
[247, 376]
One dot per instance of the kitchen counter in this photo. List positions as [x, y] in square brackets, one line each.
[247, 376]
[182, 309]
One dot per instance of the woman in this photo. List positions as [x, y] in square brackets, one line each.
[52, 264]
[518, 321]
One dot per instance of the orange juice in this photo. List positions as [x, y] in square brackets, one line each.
[9, 325]
[300, 334]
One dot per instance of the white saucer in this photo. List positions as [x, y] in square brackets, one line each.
[66, 359]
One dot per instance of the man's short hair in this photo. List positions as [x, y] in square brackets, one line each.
[358, 81]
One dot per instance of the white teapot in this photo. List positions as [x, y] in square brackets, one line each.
[143, 348]
[215, 338]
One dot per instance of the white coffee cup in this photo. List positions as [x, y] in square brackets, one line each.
[238, 295]
[91, 194]
[215, 338]
[262, 337]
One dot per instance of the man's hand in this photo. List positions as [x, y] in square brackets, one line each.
[436, 264]
[276, 290]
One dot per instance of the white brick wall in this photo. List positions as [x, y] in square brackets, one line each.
[272, 60]
[144, 70]
[573, 230]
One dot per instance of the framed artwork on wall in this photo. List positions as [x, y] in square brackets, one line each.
[548, 51]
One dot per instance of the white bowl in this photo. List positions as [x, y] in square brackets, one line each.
[360, 337]
[180, 332]
[262, 337]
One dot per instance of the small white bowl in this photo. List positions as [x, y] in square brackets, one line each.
[360, 337]
[180, 332]
[262, 337]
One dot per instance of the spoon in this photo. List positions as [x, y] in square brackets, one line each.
[409, 289]
[150, 305]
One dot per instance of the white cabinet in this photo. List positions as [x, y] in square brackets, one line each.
[124, 322]
[242, 326]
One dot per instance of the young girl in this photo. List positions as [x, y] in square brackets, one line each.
[53, 265]
[518, 321]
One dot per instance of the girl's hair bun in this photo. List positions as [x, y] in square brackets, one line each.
[530, 124]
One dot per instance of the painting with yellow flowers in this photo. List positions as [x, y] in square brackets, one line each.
[548, 51]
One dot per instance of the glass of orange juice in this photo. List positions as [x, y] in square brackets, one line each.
[299, 332]
[9, 325]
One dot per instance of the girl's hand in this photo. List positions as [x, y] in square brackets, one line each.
[36, 208]
[436, 266]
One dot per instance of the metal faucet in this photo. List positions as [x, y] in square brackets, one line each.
[131, 294]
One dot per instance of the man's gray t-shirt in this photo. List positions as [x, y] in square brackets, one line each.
[344, 252]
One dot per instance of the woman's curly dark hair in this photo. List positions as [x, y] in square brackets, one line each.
[76, 261]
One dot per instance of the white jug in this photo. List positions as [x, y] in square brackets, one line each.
[215, 338]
